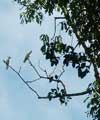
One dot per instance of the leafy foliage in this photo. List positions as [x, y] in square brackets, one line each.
[94, 101]
[83, 20]
[52, 51]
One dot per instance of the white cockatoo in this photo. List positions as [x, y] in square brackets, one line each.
[7, 62]
[27, 56]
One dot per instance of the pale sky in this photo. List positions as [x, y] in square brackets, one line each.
[16, 101]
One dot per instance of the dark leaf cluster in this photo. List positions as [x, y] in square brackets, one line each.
[52, 50]
[61, 94]
[94, 101]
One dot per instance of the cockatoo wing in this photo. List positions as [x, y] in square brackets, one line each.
[27, 56]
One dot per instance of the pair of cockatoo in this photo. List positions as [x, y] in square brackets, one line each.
[7, 61]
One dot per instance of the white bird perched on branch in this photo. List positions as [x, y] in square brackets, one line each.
[7, 62]
[27, 56]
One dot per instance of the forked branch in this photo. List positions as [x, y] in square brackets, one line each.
[49, 78]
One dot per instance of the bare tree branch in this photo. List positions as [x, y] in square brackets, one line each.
[49, 78]
[34, 68]
[44, 70]
[23, 79]
[53, 71]
[70, 95]
[63, 70]
[31, 81]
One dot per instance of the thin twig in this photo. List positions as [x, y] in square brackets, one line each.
[76, 45]
[53, 71]
[34, 67]
[54, 29]
[63, 70]
[31, 81]
[44, 70]
[23, 79]
[43, 77]
[19, 69]
[55, 80]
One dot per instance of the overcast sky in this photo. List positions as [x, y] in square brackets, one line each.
[16, 101]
